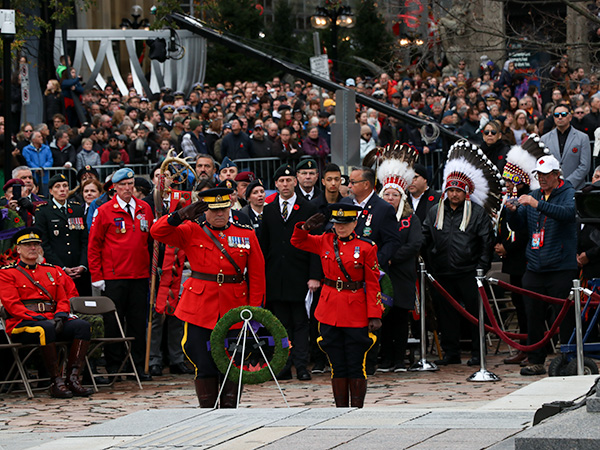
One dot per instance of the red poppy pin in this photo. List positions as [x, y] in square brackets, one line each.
[235, 218]
[431, 198]
[69, 210]
[241, 145]
[365, 212]
[500, 157]
[575, 149]
[296, 207]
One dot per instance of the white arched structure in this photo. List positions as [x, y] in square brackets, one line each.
[179, 75]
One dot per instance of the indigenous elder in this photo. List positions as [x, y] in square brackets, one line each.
[548, 216]
[458, 240]
[37, 304]
[350, 306]
[220, 253]
[396, 173]
[119, 264]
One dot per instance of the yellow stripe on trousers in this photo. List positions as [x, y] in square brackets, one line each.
[183, 342]
[32, 330]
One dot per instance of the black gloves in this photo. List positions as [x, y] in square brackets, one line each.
[194, 210]
[314, 222]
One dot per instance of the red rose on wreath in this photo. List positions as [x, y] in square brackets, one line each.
[17, 220]
[296, 207]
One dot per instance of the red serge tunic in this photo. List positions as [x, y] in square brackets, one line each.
[203, 302]
[345, 308]
[16, 287]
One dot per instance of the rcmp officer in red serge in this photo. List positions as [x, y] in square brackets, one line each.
[119, 263]
[64, 235]
[350, 306]
[227, 271]
[38, 309]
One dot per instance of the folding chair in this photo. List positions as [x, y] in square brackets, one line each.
[104, 305]
[16, 373]
[22, 354]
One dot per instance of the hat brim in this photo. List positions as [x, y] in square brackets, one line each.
[349, 219]
[220, 205]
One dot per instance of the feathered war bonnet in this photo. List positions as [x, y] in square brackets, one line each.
[468, 169]
[520, 162]
[395, 170]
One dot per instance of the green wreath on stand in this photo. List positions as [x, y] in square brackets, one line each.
[387, 293]
[250, 374]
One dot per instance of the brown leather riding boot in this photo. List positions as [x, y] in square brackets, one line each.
[207, 390]
[229, 395]
[74, 364]
[58, 389]
[358, 391]
[340, 392]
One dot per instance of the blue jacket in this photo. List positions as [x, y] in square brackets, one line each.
[557, 217]
[38, 158]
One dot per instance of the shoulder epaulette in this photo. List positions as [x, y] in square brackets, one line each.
[46, 264]
[366, 240]
[10, 266]
[73, 202]
[241, 225]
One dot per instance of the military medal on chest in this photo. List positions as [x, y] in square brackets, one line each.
[356, 252]
[367, 230]
[120, 224]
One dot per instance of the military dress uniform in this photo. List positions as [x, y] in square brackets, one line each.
[65, 238]
[345, 307]
[215, 286]
[118, 253]
[37, 304]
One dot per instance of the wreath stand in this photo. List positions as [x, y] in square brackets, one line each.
[217, 338]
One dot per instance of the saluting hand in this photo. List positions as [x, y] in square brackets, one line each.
[314, 221]
[194, 210]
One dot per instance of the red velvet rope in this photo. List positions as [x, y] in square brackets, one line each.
[524, 348]
[466, 313]
[531, 294]
[506, 337]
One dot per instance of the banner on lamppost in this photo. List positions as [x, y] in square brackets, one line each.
[24, 72]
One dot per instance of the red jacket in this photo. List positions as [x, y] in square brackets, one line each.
[15, 287]
[345, 308]
[114, 255]
[202, 302]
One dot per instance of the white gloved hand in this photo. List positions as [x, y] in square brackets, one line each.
[99, 284]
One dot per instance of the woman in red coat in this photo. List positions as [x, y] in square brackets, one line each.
[350, 305]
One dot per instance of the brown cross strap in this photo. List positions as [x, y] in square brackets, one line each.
[222, 249]
[35, 283]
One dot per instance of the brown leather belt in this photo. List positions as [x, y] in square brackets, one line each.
[39, 305]
[219, 278]
[344, 285]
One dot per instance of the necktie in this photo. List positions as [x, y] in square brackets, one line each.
[63, 210]
[307, 197]
[284, 211]
[128, 209]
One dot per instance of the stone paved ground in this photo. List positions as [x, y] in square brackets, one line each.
[445, 388]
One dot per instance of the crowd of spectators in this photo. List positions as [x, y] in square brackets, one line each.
[97, 131]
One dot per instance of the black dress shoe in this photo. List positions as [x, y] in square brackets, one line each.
[285, 374]
[143, 376]
[474, 361]
[448, 360]
[319, 367]
[181, 368]
[156, 371]
[303, 375]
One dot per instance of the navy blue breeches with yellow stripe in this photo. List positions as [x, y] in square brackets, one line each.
[346, 348]
[42, 332]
